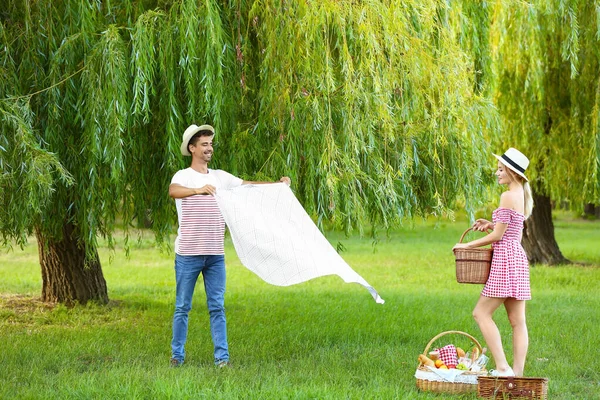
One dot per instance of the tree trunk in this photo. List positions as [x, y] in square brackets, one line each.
[591, 211]
[66, 276]
[538, 236]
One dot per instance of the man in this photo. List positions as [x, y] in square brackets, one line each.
[199, 246]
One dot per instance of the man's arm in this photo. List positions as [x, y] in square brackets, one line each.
[177, 191]
[283, 179]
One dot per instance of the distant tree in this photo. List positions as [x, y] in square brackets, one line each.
[546, 84]
[591, 211]
[370, 107]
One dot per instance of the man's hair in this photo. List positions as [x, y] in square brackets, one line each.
[198, 135]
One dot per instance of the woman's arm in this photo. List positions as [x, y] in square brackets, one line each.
[494, 236]
[506, 201]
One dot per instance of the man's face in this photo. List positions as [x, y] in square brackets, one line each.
[203, 148]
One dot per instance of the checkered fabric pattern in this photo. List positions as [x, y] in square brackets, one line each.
[509, 273]
[448, 355]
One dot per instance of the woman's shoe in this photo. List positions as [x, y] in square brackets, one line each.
[496, 373]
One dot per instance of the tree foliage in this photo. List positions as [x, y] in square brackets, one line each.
[372, 107]
[546, 83]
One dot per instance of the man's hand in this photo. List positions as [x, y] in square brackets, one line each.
[286, 180]
[206, 189]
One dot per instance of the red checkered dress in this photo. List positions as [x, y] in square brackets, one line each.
[509, 275]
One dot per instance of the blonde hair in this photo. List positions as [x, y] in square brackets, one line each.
[528, 198]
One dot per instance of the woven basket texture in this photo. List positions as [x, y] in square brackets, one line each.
[472, 265]
[513, 388]
[448, 387]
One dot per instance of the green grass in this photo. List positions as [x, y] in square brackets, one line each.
[322, 339]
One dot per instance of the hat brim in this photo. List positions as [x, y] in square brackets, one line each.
[513, 169]
[189, 134]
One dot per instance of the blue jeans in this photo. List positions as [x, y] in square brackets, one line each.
[187, 270]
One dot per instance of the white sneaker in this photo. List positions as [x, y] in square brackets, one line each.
[508, 372]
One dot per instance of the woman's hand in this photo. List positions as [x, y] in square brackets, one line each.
[483, 225]
[460, 246]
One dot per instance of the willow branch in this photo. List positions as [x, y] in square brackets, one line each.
[45, 89]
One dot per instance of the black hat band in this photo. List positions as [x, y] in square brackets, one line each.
[514, 164]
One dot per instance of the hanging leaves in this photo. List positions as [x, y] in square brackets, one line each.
[374, 108]
[546, 58]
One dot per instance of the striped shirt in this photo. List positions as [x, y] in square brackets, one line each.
[201, 225]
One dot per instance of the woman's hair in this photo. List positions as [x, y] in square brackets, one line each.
[528, 199]
[526, 192]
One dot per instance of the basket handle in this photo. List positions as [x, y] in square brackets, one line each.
[467, 231]
[436, 337]
[464, 234]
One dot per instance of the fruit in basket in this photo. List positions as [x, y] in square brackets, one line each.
[466, 361]
[423, 359]
[460, 352]
[439, 363]
[443, 367]
[462, 367]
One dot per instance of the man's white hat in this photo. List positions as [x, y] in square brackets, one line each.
[514, 160]
[191, 131]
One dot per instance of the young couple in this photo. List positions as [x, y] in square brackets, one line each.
[199, 249]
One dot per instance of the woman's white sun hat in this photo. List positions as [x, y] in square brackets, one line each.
[191, 131]
[515, 161]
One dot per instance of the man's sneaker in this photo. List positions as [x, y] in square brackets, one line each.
[223, 364]
[175, 363]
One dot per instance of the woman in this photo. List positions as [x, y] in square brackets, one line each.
[508, 282]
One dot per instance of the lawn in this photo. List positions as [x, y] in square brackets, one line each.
[322, 339]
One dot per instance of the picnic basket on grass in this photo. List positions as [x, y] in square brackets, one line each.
[429, 381]
[472, 265]
[514, 388]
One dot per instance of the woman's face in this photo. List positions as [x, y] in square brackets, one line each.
[502, 174]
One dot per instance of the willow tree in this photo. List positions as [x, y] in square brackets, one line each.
[546, 84]
[369, 106]
[63, 119]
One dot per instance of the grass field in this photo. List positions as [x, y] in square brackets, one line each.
[323, 339]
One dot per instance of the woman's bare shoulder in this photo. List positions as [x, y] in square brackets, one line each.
[509, 199]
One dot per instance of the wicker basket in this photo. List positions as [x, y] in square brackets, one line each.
[472, 265]
[433, 385]
[512, 388]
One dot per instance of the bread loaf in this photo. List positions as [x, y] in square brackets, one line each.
[434, 355]
[423, 359]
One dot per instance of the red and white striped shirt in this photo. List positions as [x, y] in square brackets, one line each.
[201, 225]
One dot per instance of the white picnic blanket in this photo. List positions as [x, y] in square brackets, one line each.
[276, 239]
[446, 375]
